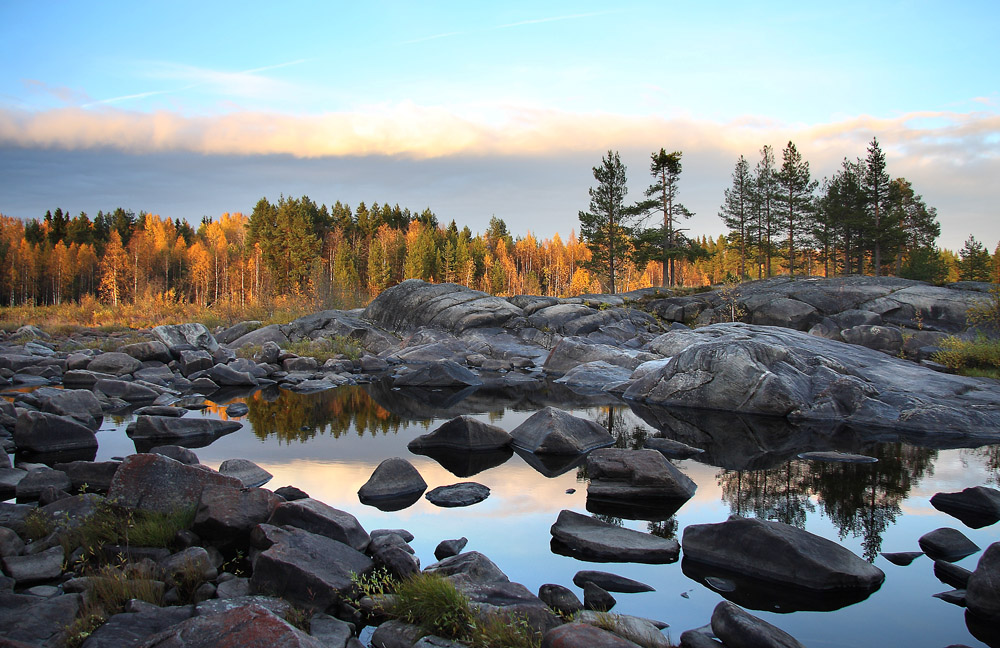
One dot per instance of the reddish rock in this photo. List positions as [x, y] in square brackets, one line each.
[251, 626]
[582, 635]
[153, 482]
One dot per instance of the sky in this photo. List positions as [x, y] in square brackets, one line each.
[477, 110]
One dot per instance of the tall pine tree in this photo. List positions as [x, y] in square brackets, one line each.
[666, 171]
[877, 193]
[796, 201]
[736, 210]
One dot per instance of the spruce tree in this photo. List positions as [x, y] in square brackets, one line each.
[877, 192]
[736, 210]
[763, 195]
[796, 201]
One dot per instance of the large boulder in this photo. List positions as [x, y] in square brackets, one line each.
[619, 474]
[415, 304]
[153, 482]
[779, 372]
[947, 544]
[187, 429]
[41, 432]
[785, 312]
[249, 625]
[779, 553]
[441, 373]
[591, 539]
[738, 629]
[126, 390]
[394, 482]
[148, 351]
[80, 404]
[319, 518]
[183, 335]
[553, 431]
[976, 507]
[571, 352]
[118, 364]
[982, 592]
[229, 515]
[465, 433]
[27, 620]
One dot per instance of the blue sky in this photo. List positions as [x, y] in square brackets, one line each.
[498, 109]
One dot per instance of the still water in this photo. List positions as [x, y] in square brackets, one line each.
[329, 443]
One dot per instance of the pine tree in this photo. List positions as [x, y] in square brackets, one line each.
[975, 263]
[763, 195]
[796, 201]
[666, 171]
[736, 210]
[877, 192]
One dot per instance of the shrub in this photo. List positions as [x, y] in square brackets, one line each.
[326, 348]
[979, 357]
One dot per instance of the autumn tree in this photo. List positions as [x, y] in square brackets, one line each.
[114, 267]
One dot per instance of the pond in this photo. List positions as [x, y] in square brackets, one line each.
[329, 443]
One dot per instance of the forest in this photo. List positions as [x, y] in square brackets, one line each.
[294, 251]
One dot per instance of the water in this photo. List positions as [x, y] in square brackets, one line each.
[329, 443]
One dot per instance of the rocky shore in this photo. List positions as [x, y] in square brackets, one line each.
[247, 564]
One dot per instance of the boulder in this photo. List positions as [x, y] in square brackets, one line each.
[126, 390]
[36, 481]
[148, 351]
[229, 515]
[269, 337]
[154, 482]
[561, 599]
[442, 373]
[35, 568]
[636, 629]
[91, 476]
[618, 474]
[596, 375]
[182, 335]
[982, 595]
[779, 553]
[455, 495]
[951, 574]
[887, 339]
[397, 634]
[316, 517]
[191, 362]
[236, 410]
[41, 432]
[415, 304]
[465, 433]
[114, 363]
[572, 352]
[976, 507]
[291, 493]
[307, 569]
[597, 598]
[610, 582]
[236, 331]
[578, 635]
[226, 376]
[394, 482]
[449, 548]
[177, 453]
[246, 471]
[139, 622]
[248, 625]
[27, 620]
[591, 539]
[553, 431]
[188, 429]
[786, 313]
[902, 558]
[470, 566]
[738, 629]
[947, 544]
[80, 404]
[392, 551]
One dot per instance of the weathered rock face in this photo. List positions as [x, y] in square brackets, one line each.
[571, 352]
[591, 539]
[181, 335]
[777, 552]
[553, 431]
[983, 588]
[319, 518]
[229, 514]
[118, 364]
[80, 404]
[745, 368]
[169, 428]
[153, 482]
[250, 625]
[415, 304]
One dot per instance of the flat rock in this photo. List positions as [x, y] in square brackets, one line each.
[154, 482]
[617, 474]
[133, 627]
[465, 433]
[187, 429]
[598, 375]
[115, 363]
[246, 471]
[455, 495]
[250, 625]
[394, 481]
[591, 539]
[672, 449]
[42, 432]
[80, 404]
[34, 621]
[126, 390]
[902, 558]
[636, 629]
[976, 507]
[610, 582]
[837, 457]
[36, 481]
[947, 544]
[35, 568]
[738, 629]
[553, 431]
[319, 518]
[951, 574]
[442, 373]
[776, 552]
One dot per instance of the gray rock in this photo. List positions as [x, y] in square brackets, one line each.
[415, 304]
[672, 449]
[35, 568]
[983, 589]
[610, 582]
[291, 493]
[786, 313]
[572, 352]
[316, 517]
[837, 457]
[115, 363]
[160, 410]
[191, 362]
[236, 410]
[949, 574]
[330, 631]
[561, 599]
[10, 543]
[229, 515]
[449, 548]
[31, 621]
[738, 629]
[148, 351]
[976, 507]
[193, 560]
[455, 495]
[471, 567]
[465, 433]
[41, 432]
[443, 373]
[394, 480]
[617, 474]
[80, 404]
[82, 378]
[177, 453]
[597, 598]
[902, 558]
[133, 627]
[126, 390]
[595, 540]
[553, 431]
[393, 552]
[887, 339]
[246, 471]
[947, 544]
[573, 635]
[9, 479]
[777, 552]
[853, 317]
[180, 335]
[955, 597]
[396, 634]
[226, 376]
[36, 481]
[595, 375]
[188, 429]
[154, 482]
[636, 629]
[307, 569]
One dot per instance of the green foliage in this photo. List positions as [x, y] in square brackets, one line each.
[924, 264]
[975, 264]
[432, 602]
[987, 312]
[324, 349]
[970, 357]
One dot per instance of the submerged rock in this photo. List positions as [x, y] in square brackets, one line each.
[394, 485]
[610, 582]
[591, 539]
[983, 587]
[976, 507]
[553, 431]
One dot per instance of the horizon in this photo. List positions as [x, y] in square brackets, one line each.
[476, 112]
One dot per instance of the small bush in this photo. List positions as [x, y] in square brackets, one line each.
[324, 349]
[981, 356]
[504, 631]
[433, 603]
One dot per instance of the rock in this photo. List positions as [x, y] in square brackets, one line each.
[553, 431]
[80, 404]
[83, 379]
[395, 482]
[636, 629]
[887, 339]
[191, 362]
[396, 634]
[471, 566]
[226, 376]
[837, 457]
[307, 569]
[187, 429]
[583, 635]
[316, 517]
[955, 597]
[10, 543]
[249, 625]
[415, 304]
[509, 599]
[27, 620]
[153, 482]
[449, 548]
[291, 493]
[393, 552]
[561, 599]
[617, 474]
[148, 351]
[596, 375]
[699, 638]
[610, 582]
[191, 561]
[41, 432]
[786, 313]
[31, 486]
[35, 568]
[738, 629]
[443, 373]
[160, 410]
[597, 598]
[114, 363]
[976, 507]
[902, 558]
[180, 335]
[9, 479]
[229, 515]
[236, 410]
[983, 589]
[465, 433]
[949, 574]
[246, 471]
[177, 453]
[126, 390]
[89, 476]
[330, 631]
[672, 449]
[133, 627]
[233, 588]
[455, 495]
[947, 544]
[592, 539]
[573, 352]
[203, 386]
[777, 552]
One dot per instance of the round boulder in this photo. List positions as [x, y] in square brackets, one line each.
[394, 483]
[463, 494]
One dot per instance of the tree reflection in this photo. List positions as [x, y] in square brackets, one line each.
[663, 528]
[300, 417]
[862, 500]
[991, 461]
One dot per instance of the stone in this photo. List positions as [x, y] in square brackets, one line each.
[27, 620]
[80, 404]
[132, 627]
[415, 304]
[672, 449]
[786, 313]
[983, 589]
[89, 476]
[699, 638]
[947, 544]
[976, 507]
[887, 339]
[31, 486]
[114, 363]
[471, 566]
[449, 548]
[291, 493]
[591, 539]
[442, 373]
[553, 431]
[393, 481]
[307, 569]
[572, 352]
[153, 350]
[316, 517]
[902, 558]
[837, 457]
[10, 543]
[598, 375]
[246, 471]
[41, 432]
[126, 390]
[177, 453]
[779, 553]
[330, 631]
[583, 635]
[248, 625]
[393, 552]
[455, 495]
[35, 568]
[955, 597]
[465, 433]
[951, 574]
[180, 335]
[643, 632]
[187, 429]
[236, 410]
[610, 582]
[9, 479]
[738, 629]
[193, 560]
[597, 598]
[228, 514]
[619, 474]
[157, 483]
[561, 599]
[160, 410]
[396, 634]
